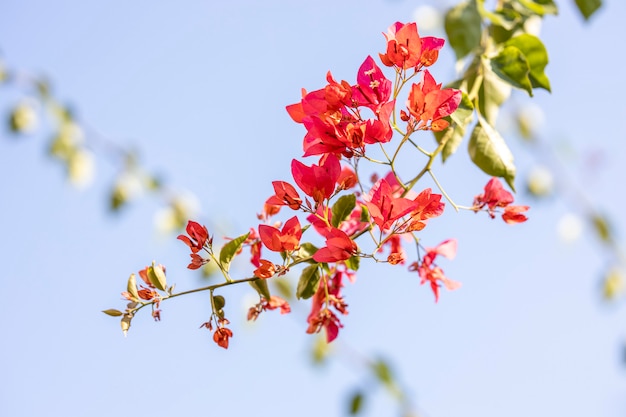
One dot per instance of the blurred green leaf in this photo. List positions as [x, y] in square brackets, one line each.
[463, 27]
[539, 7]
[112, 312]
[383, 372]
[356, 403]
[588, 7]
[602, 228]
[489, 152]
[307, 284]
[492, 93]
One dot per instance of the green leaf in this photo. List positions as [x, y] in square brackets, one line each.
[511, 65]
[342, 209]
[261, 287]
[219, 302]
[540, 7]
[112, 312]
[454, 134]
[307, 284]
[463, 27]
[353, 263]
[131, 286]
[365, 214]
[501, 18]
[306, 250]
[490, 153]
[588, 7]
[603, 228]
[228, 251]
[537, 57]
[356, 403]
[492, 93]
[383, 372]
[156, 275]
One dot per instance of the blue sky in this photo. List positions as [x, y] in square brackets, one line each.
[200, 89]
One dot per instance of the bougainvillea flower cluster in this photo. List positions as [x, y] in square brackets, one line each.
[495, 197]
[331, 206]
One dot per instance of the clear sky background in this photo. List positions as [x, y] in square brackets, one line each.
[200, 88]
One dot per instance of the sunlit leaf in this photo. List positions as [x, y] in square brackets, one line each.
[131, 286]
[539, 7]
[156, 275]
[490, 153]
[230, 249]
[511, 65]
[537, 57]
[306, 250]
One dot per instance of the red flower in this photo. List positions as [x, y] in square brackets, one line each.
[430, 272]
[513, 214]
[429, 206]
[265, 270]
[430, 50]
[427, 101]
[317, 181]
[221, 336]
[339, 247]
[496, 196]
[281, 241]
[404, 46]
[197, 261]
[284, 195]
[385, 208]
[274, 303]
[328, 295]
[198, 236]
[347, 178]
